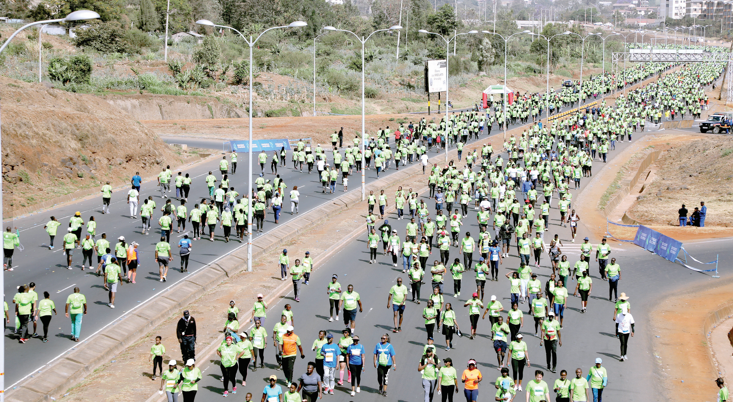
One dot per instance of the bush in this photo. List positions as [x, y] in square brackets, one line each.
[75, 69]
[47, 45]
[339, 80]
[241, 73]
[112, 37]
[17, 49]
[370, 92]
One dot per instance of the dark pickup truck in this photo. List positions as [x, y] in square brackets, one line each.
[715, 123]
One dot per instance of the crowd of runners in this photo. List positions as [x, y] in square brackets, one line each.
[510, 192]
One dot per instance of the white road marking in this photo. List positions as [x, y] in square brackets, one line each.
[74, 284]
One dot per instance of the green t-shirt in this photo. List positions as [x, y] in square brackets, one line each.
[448, 317]
[430, 372]
[448, 376]
[292, 396]
[398, 294]
[24, 302]
[474, 306]
[515, 316]
[171, 379]
[596, 376]
[106, 191]
[538, 391]
[519, 350]
[259, 337]
[189, 376]
[539, 306]
[245, 348]
[52, 227]
[350, 300]
[76, 302]
[157, 350]
[562, 387]
[163, 249]
[333, 288]
[228, 354]
[551, 328]
[500, 331]
[579, 387]
[723, 395]
[317, 345]
[45, 307]
[113, 273]
[69, 240]
[494, 308]
[260, 309]
[560, 295]
[584, 282]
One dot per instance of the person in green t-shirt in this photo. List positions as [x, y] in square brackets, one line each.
[163, 257]
[258, 336]
[723, 390]
[447, 378]
[537, 389]
[45, 308]
[112, 276]
[396, 299]
[562, 387]
[429, 366]
[246, 352]
[52, 228]
[76, 308]
[229, 354]
[292, 395]
[519, 355]
[156, 355]
[23, 309]
[106, 197]
[169, 379]
[597, 379]
[585, 286]
[188, 381]
[579, 387]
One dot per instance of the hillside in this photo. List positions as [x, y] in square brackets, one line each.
[57, 143]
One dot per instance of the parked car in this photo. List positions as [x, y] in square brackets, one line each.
[715, 122]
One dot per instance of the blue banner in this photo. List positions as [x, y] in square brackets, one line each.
[668, 248]
[642, 236]
[260, 145]
[652, 240]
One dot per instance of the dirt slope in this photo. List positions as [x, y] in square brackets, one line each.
[56, 143]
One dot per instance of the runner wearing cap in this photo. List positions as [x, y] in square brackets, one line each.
[481, 270]
[70, 242]
[308, 265]
[474, 311]
[447, 380]
[429, 366]
[246, 352]
[519, 357]
[284, 264]
[471, 378]
[188, 381]
[585, 286]
[112, 276]
[334, 296]
[330, 353]
[356, 358]
[552, 337]
[272, 391]
[168, 381]
[289, 347]
[613, 273]
[229, 354]
[384, 359]
[598, 379]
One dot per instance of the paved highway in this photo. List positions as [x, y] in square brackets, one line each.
[34, 262]
[645, 277]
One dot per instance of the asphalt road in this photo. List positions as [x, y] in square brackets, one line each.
[34, 262]
[645, 277]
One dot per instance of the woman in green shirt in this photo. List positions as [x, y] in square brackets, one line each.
[520, 357]
[585, 285]
[448, 380]
[246, 351]
[429, 313]
[190, 376]
[562, 387]
[45, 308]
[450, 325]
[168, 380]
[229, 354]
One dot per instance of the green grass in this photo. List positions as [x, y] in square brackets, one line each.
[727, 152]
[348, 111]
[414, 100]
[25, 177]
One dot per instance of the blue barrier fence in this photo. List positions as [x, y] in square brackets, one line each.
[663, 246]
[259, 145]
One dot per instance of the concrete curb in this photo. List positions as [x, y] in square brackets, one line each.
[83, 359]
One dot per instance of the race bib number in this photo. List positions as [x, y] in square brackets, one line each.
[355, 352]
[329, 357]
[170, 383]
[520, 354]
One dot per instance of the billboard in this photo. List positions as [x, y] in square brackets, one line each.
[435, 76]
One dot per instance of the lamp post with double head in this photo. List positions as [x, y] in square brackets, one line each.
[251, 42]
[363, 41]
[314, 71]
[447, 76]
[76, 16]
[504, 91]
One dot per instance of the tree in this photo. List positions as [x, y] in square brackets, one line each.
[209, 54]
[443, 21]
[148, 17]
[486, 54]
[75, 69]
[180, 18]
[109, 10]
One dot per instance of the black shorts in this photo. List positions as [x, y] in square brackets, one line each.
[349, 315]
[105, 201]
[584, 295]
[163, 261]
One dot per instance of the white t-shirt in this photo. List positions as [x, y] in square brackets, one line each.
[133, 195]
[294, 195]
[624, 322]
[424, 159]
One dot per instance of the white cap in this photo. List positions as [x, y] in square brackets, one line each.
[69, 229]
[172, 363]
[520, 336]
[189, 362]
[552, 313]
[121, 238]
[290, 328]
[493, 297]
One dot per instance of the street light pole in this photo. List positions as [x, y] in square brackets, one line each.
[363, 103]
[80, 15]
[251, 42]
[547, 96]
[167, 14]
[40, 53]
[582, 56]
[314, 72]
[504, 91]
[604, 50]
[447, 75]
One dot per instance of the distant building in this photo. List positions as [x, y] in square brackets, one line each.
[693, 8]
[674, 9]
